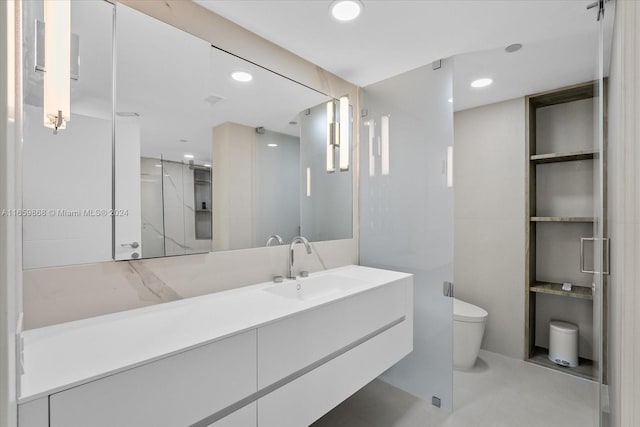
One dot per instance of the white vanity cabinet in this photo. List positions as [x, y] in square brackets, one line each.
[285, 367]
[176, 391]
[291, 344]
[362, 339]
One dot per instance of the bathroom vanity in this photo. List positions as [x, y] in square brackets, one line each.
[268, 355]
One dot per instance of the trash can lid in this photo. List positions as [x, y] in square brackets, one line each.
[564, 327]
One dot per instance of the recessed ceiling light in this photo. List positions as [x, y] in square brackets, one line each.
[158, 166]
[183, 140]
[272, 145]
[346, 10]
[450, 100]
[207, 165]
[293, 123]
[513, 47]
[188, 156]
[484, 82]
[241, 76]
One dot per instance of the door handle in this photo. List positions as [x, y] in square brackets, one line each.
[132, 244]
[607, 258]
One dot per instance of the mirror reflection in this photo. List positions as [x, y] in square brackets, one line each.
[229, 153]
[191, 156]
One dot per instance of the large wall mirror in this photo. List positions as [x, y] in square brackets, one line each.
[203, 159]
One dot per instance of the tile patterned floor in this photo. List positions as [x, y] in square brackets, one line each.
[498, 392]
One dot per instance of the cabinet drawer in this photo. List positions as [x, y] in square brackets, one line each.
[176, 391]
[245, 417]
[304, 400]
[294, 343]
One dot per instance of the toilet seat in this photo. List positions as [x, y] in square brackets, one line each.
[465, 312]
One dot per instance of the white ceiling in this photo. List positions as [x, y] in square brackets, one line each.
[395, 36]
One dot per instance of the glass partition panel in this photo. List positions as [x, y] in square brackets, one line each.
[406, 221]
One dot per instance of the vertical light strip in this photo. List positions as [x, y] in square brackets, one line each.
[308, 182]
[57, 59]
[372, 157]
[344, 133]
[384, 154]
[330, 137]
[450, 166]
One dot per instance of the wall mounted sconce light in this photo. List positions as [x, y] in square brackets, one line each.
[338, 132]
[344, 133]
[57, 57]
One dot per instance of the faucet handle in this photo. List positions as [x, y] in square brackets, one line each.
[304, 274]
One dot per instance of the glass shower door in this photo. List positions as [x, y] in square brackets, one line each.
[406, 213]
[601, 246]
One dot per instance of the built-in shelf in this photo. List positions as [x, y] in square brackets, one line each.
[585, 368]
[201, 181]
[556, 138]
[564, 157]
[581, 292]
[203, 210]
[562, 219]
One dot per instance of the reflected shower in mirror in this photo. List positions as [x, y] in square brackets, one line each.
[226, 153]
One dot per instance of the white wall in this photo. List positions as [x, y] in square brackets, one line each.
[624, 217]
[489, 219]
[70, 171]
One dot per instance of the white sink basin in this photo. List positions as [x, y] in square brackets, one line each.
[306, 289]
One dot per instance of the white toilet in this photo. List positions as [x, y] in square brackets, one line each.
[468, 327]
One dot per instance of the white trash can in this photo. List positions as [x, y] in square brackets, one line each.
[563, 343]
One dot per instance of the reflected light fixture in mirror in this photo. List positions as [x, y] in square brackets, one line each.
[331, 125]
[483, 82]
[346, 10]
[338, 134]
[384, 152]
[57, 76]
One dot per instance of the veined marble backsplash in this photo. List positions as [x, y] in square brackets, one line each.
[64, 294]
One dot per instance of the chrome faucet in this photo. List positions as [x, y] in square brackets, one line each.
[297, 239]
[275, 237]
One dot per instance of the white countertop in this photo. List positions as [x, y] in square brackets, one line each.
[65, 355]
